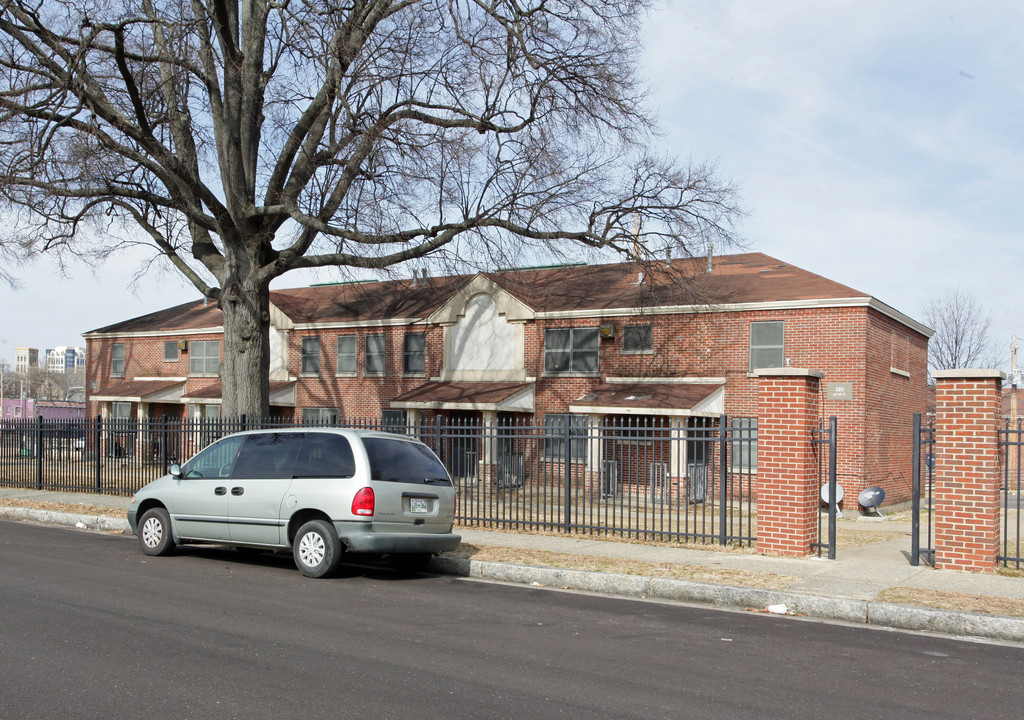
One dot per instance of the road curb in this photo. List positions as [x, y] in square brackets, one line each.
[879, 614]
[104, 523]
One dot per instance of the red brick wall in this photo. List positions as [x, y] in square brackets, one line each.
[787, 494]
[967, 469]
[848, 344]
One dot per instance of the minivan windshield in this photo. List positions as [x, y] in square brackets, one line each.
[403, 461]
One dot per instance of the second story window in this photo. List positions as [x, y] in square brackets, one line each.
[117, 360]
[171, 351]
[766, 345]
[375, 355]
[204, 357]
[414, 353]
[347, 355]
[571, 350]
[637, 339]
[310, 356]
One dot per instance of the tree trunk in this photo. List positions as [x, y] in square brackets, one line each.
[245, 302]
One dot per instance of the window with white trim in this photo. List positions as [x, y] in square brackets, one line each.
[204, 357]
[375, 357]
[767, 349]
[637, 339]
[347, 355]
[310, 356]
[572, 350]
[117, 360]
[561, 427]
[414, 354]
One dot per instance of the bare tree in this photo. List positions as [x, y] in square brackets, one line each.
[247, 139]
[962, 336]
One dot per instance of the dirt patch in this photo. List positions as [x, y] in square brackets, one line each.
[696, 573]
[959, 602]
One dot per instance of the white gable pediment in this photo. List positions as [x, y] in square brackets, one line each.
[512, 309]
[483, 333]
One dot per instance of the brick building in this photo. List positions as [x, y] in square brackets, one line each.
[674, 344]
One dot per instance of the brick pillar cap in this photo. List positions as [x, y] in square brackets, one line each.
[968, 374]
[788, 372]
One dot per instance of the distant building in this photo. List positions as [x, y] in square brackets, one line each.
[25, 359]
[65, 359]
[27, 409]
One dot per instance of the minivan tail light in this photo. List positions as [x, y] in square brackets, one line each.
[362, 503]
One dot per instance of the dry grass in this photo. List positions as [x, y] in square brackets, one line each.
[80, 508]
[959, 602]
[543, 558]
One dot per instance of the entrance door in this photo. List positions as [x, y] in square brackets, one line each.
[700, 434]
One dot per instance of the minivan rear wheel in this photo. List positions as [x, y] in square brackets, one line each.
[317, 549]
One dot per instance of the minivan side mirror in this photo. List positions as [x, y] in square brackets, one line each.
[175, 470]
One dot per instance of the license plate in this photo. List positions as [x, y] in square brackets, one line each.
[419, 505]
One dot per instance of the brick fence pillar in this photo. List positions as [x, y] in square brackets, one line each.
[788, 497]
[966, 502]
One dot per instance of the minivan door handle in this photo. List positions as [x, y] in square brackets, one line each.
[237, 490]
[220, 490]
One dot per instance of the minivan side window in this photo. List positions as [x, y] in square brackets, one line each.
[214, 461]
[400, 461]
[325, 455]
[268, 456]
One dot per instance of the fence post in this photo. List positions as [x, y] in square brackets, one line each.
[788, 496]
[98, 444]
[915, 499]
[966, 505]
[723, 481]
[567, 474]
[39, 453]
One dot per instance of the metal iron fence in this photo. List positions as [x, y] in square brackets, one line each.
[923, 485]
[824, 442]
[1011, 440]
[649, 480]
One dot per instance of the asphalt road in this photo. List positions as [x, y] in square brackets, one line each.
[91, 628]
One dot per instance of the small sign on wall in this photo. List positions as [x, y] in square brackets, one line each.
[840, 391]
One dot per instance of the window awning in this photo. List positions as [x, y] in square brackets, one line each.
[148, 391]
[282, 394]
[497, 396]
[667, 398]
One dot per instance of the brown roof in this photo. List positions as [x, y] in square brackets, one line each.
[647, 396]
[744, 278]
[135, 388]
[469, 393]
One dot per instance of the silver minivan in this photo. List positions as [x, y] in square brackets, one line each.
[319, 492]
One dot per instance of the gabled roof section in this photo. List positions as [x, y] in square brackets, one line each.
[187, 316]
[728, 282]
[363, 302]
[507, 304]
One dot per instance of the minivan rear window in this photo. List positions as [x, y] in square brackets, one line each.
[401, 461]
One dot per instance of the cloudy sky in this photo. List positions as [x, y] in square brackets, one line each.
[876, 143]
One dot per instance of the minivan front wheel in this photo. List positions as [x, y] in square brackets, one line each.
[155, 532]
[317, 549]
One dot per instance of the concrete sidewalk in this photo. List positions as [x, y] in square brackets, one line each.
[842, 589]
